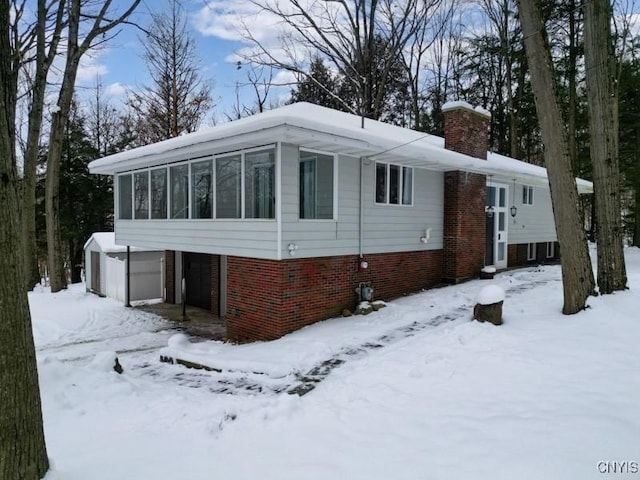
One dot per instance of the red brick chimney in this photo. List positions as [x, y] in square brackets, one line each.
[466, 129]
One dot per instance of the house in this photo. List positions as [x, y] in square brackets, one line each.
[274, 221]
[106, 269]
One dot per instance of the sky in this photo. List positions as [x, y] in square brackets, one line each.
[215, 26]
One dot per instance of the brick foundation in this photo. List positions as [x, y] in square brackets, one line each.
[517, 254]
[267, 299]
[464, 225]
[170, 276]
[215, 284]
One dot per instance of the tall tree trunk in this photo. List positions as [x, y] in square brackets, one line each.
[23, 454]
[44, 59]
[603, 127]
[577, 274]
[573, 93]
[636, 218]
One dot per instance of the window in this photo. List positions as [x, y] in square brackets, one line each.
[202, 189]
[531, 251]
[159, 193]
[228, 187]
[551, 249]
[316, 186]
[238, 185]
[259, 184]
[125, 193]
[527, 195]
[394, 184]
[179, 176]
[141, 195]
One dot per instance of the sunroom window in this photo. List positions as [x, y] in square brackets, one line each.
[202, 189]
[141, 195]
[179, 191]
[228, 187]
[394, 184]
[159, 193]
[259, 184]
[316, 185]
[125, 194]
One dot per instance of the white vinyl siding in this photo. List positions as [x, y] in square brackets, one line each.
[387, 228]
[240, 238]
[532, 223]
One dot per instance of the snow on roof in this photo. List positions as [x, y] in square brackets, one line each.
[320, 127]
[107, 243]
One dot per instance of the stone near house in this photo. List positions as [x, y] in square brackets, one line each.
[346, 312]
[364, 308]
[488, 306]
[487, 273]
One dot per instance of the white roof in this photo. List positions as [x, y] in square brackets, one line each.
[107, 243]
[322, 128]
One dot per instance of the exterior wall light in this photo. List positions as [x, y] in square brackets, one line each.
[292, 247]
[489, 211]
[514, 211]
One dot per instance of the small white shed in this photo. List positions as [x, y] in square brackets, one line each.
[105, 264]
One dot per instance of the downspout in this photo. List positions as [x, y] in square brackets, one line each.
[361, 211]
[127, 296]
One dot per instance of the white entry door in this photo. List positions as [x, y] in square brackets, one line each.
[496, 247]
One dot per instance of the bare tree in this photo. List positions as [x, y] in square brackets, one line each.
[362, 39]
[432, 50]
[105, 124]
[260, 79]
[179, 96]
[601, 71]
[99, 30]
[577, 274]
[23, 452]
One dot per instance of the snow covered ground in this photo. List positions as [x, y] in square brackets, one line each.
[414, 391]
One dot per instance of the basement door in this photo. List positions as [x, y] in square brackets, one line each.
[496, 227]
[197, 275]
[95, 272]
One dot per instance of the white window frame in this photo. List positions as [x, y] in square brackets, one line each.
[275, 182]
[335, 185]
[215, 186]
[388, 184]
[148, 194]
[170, 191]
[527, 194]
[166, 199]
[551, 249]
[212, 159]
[117, 192]
[531, 251]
